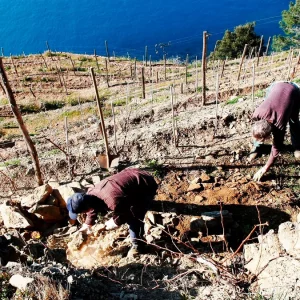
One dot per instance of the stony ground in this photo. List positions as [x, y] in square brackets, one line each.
[212, 143]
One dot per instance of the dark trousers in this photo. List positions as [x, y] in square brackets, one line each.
[136, 223]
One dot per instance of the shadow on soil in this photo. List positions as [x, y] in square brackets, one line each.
[244, 217]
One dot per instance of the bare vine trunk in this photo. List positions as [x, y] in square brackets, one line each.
[22, 126]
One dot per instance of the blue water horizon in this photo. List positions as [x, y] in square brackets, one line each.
[171, 27]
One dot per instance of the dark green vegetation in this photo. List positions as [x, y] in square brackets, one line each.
[232, 44]
[290, 25]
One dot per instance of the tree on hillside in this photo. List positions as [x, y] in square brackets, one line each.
[232, 43]
[290, 25]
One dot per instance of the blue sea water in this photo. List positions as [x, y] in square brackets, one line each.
[80, 26]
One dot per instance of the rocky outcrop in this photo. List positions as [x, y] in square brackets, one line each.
[275, 262]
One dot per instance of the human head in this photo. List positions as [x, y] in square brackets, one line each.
[261, 130]
[75, 205]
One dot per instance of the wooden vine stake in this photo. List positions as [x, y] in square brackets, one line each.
[253, 82]
[106, 162]
[114, 120]
[196, 83]
[165, 66]
[95, 54]
[20, 121]
[143, 83]
[217, 93]
[268, 45]
[241, 62]
[259, 49]
[67, 146]
[107, 52]
[204, 67]
[173, 116]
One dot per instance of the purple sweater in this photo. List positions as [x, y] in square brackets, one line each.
[280, 106]
[126, 193]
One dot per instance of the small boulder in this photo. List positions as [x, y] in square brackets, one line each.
[39, 195]
[49, 213]
[20, 282]
[14, 218]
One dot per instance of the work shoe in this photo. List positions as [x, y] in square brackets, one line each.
[297, 154]
[133, 251]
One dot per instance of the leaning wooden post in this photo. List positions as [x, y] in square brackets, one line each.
[241, 62]
[95, 54]
[73, 65]
[114, 121]
[165, 66]
[135, 68]
[204, 67]
[173, 117]
[196, 83]
[143, 83]
[259, 49]
[101, 116]
[67, 146]
[12, 62]
[268, 45]
[22, 126]
[106, 48]
[106, 70]
[223, 68]
[217, 94]
[49, 50]
[43, 60]
[146, 55]
[253, 81]
[186, 68]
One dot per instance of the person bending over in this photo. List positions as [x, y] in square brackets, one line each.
[281, 107]
[128, 194]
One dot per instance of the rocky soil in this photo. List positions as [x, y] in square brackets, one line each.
[212, 233]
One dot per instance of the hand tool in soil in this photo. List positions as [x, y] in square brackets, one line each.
[105, 160]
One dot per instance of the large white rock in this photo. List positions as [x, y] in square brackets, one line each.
[280, 279]
[62, 193]
[20, 282]
[258, 255]
[14, 218]
[39, 195]
[289, 237]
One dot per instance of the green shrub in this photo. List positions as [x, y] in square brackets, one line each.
[51, 105]
[12, 162]
[120, 102]
[29, 108]
[10, 124]
[232, 101]
[156, 169]
[84, 58]
[260, 93]
[71, 114]
[4, 101]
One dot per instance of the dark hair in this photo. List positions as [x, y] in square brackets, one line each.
[261, 129]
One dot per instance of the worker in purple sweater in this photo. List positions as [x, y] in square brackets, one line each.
[280, 107]
[128, 194]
